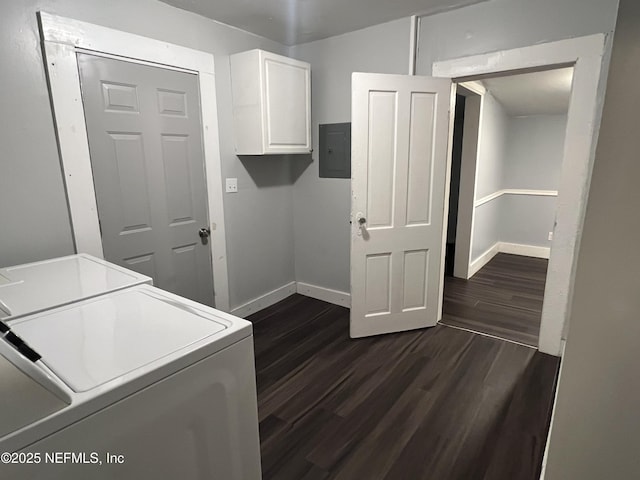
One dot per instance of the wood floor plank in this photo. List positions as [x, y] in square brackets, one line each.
[373, 457]
[503, 299]
[442, 433]
[286, 458]
[529, 408]
[344, 433]
[438, 404]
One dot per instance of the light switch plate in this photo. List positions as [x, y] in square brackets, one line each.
[232, 185]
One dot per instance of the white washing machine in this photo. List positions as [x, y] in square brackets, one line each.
[34, 287]
[135, 384]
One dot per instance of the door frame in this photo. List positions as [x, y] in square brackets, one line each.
[471, 142]
[586, 55]
[61, 39]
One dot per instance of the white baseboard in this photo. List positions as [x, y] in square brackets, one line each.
[525, 250]
[511, 248]
[326, 294]
[483, 259]
[343, 299]
[265, 300]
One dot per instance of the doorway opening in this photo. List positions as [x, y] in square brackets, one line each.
[507, 156]
[454, 188]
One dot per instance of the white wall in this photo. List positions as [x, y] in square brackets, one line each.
[506, 24]
[595, 431]
[322, 206]
[486, 228]
[492, 149]
[490, 166]
[267, 214]
[527, 219]
[516, 153]
[34, 222]
[503, 25]
[535, 147]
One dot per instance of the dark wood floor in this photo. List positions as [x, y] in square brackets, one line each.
[503, 299]
[438, 404]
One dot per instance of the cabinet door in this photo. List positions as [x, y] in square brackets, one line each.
[287, 105]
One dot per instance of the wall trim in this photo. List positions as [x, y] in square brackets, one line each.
[515, 191]
[488, 198]
[61, 39]
[524, 250]
[475, 86]
[586, 54]
[545, 457]
[336, 297]
[264, 301]
[510, 248]
[326, 294]
[483, 259]
[343, 299]
[471, 142]
[68, 31]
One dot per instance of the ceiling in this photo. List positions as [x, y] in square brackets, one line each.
[292, 22]
[539, 93]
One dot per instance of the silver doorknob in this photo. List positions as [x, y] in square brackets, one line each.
[204, 232]
[362, 220]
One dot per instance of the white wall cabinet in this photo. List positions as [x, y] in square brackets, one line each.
[271, 103]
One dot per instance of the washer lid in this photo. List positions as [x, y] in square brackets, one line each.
[91, 343]
[33, 287]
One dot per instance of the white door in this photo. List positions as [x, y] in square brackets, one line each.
[400, 132]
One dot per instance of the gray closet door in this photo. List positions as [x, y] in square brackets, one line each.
[145, 142]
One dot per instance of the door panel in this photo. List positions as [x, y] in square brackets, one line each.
[120, 98]
[175, 158]
[145, 264]
[286, 91]
[382, 148]
[172, 103]
[399, 156]
[378, 276]
[415, 280]
[145, 141]
[132, 197]
[421, 152]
